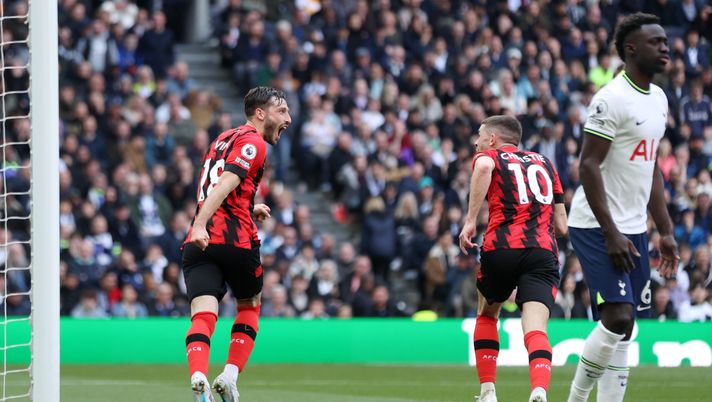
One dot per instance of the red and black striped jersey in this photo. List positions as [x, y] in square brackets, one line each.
[521, 197]
[241, 151]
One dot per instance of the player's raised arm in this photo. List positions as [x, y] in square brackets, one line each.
[658, 210]
[479, 184]
[593, 152]
[227, 183]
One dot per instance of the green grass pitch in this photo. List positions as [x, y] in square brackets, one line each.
[354, 383]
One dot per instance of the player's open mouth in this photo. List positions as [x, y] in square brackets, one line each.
[281, 130]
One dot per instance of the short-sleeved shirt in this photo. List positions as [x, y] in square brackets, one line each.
[633, 119]
[241, 151]
[521, 197]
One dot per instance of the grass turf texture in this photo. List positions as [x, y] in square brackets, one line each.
[352, 383]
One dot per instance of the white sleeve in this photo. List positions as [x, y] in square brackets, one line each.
[603, 116]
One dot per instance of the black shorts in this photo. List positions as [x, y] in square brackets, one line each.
[209, 272]
[533, 271]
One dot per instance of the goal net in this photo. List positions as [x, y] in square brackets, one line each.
[29, 236]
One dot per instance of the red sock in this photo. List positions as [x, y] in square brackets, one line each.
[537, 343]
[197, 341]
[486, 348]
[243, 336]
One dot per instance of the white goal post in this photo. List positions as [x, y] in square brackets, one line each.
[44, 115]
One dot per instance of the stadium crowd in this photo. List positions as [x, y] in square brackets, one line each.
[385, 97]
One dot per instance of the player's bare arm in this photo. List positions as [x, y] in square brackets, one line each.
[593, 152]
[561, 224]
[226, 184]
[479, 184]
[668, 246]
[261, 212]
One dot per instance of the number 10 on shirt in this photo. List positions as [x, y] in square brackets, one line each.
[532, 180]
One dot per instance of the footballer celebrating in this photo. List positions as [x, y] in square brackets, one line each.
[519, 250]
[621, 183]
[222, 248]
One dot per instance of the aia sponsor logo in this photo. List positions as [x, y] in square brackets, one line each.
[644, 150]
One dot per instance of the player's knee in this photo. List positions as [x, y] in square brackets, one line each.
[251, 302]
[618, 319]
[203, 304]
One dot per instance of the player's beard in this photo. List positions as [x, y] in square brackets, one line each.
[271, 131]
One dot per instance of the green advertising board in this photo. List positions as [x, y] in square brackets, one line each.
[376, 341]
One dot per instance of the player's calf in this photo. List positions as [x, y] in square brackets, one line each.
[486, 344]
[539, 349]
[597, 353]
[197, 341]
[243, 334]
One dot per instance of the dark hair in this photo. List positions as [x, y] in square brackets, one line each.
[259, 97]
[697, 83]
[631, 24]
[509, 128]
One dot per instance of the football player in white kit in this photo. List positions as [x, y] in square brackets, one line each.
[621, 182]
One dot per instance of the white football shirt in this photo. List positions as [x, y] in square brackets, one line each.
[633, 120]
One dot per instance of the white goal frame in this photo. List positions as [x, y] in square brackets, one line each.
[44, 115]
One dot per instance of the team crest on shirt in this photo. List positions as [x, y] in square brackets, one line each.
[597, 111]
[249, 151]
[599, 108]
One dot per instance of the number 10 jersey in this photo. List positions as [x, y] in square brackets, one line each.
[241, 151]
[521, 197]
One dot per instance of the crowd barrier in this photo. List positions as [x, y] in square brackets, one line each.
[356, 341]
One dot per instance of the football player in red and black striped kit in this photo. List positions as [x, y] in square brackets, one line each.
[525, 200]
[222, 248]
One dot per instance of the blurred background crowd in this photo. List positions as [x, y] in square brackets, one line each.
[385, 98]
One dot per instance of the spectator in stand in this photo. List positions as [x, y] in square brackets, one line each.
[383, 305]
[165, 305]
[663, 308]
[325, 284]
[696, 110]
[696, 54]
[156, 46]
[109, 291]
[378, 240]
[688, 232]
[85, 266]
[129, 306]
[298, 298]
[316, 310]
[568, 301]
[352, 282]
[277, 305]
[305, 264]
[99, 49]
[697, 308]
[179, 81]
[16, 303]
[88, 306]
